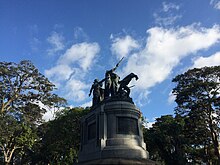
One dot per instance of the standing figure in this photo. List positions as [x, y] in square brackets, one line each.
[108, 84]
[111, 81]
[115, 84]
[98, 92]
[123, 84]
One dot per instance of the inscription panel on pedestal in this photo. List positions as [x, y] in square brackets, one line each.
[92, 131]
[127, 125]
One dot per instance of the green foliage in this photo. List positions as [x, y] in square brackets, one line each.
[198, 88]
[15, 137]
[192, 136]
[197, 95]
[22, 84]
[22, 90]
[165, 140]
[61, 138]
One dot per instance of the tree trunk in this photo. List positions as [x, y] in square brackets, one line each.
[7, 159]
[216, 146]
[7, 163]
[214, 138]
[8, 155]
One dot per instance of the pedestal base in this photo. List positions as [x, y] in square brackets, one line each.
[112, 131]
[120, 161]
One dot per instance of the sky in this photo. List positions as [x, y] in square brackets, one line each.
[72, 42]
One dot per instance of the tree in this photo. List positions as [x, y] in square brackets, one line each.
[197, 95]
[165, 140]
[60, 138]
[199, 147]
[15, 136]
[22, 84]
[23, 91]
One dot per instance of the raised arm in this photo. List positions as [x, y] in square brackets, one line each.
[116, 66]
[91, 90]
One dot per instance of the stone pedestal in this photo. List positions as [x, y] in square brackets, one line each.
[112, 130]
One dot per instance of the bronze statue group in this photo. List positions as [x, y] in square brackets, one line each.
[114, 88]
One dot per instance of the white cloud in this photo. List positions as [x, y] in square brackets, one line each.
[213, 60]
[75, 90]
[60, 72]
[82, 54]
[34, 40]
[71, 69]
[56, 41]
[35, 44]
[167, 20]
[164, 50]
[58, 26]
[80, 34]
[142, 97]
[49, 115]
[215, 4]
[87, 104]
[171, 98]
[121, 47]
[170, 6]
[167, 15]
[149, 123]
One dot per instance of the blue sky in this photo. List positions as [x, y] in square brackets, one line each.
[73, 42]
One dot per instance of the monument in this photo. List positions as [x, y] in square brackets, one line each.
[111, 133]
